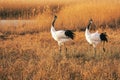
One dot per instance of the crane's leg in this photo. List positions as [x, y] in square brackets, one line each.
[60, 49]
[65, 47]
[95, 51]
[103, 46]
[65, 50]
[59, 43]
[94, 45]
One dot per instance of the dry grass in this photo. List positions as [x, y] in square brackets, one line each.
[28, 52]
[37, 57]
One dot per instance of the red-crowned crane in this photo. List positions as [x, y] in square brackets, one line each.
[95, 38]
[61, 36]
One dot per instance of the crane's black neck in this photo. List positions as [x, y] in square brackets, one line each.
[88, 27]
[53, 22]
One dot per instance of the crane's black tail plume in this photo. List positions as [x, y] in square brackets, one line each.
[70, 34]
[103, 37]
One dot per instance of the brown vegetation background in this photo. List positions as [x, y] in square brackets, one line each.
[28, 52]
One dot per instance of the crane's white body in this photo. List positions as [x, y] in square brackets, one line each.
[59, 36]
[92, 38]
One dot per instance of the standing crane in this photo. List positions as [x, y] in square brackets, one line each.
[61, 36]
[95, 38]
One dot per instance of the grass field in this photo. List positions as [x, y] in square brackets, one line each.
[37, 57]
[28, 52]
